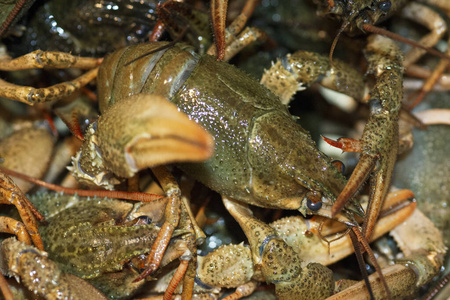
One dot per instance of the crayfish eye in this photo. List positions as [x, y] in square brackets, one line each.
[385, 6]
[313, 206]
[339, 165]
[144, 220]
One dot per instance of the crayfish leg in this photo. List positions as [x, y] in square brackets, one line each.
[432, 79]
[11, 194]
[4, 287]
[243, 291]
[179, 274]
[40, 59]
[172, 217]
[177, 213]
[229, 41]
[219, 16]
[30, 95]
[11, 226]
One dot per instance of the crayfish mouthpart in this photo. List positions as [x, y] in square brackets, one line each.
[88, 166]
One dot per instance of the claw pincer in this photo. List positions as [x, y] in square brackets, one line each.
[379, 142]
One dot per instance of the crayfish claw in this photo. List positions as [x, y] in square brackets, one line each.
[358, 177]
[161, 134]
[346, 144]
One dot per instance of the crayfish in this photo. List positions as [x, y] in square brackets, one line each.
[237, 138]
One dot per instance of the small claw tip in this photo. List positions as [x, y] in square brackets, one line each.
[332, 142]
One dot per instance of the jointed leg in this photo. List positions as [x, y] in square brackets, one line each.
[172, 217]
[31, 95]
[40, 59]
[11, 194]
[428, 18]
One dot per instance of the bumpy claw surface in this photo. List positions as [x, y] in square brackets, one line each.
[379, 142]
[228, 266]
[88, 237]
[41, 275]
[278, 262]
[299, 70]
[158, 134]
[291, 252]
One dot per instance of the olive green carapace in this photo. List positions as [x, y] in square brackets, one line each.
[261, 155]
[87, 238]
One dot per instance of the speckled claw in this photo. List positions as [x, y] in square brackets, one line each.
[288, 244]
[380, 140]
[41, 275]
[157, 134]
[358, 177]
[139, 132]
[279, 263]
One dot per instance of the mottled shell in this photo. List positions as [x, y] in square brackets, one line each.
[261, 155]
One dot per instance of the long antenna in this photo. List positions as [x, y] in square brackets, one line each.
[333, 46]
[397, 37]
[135, 196]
